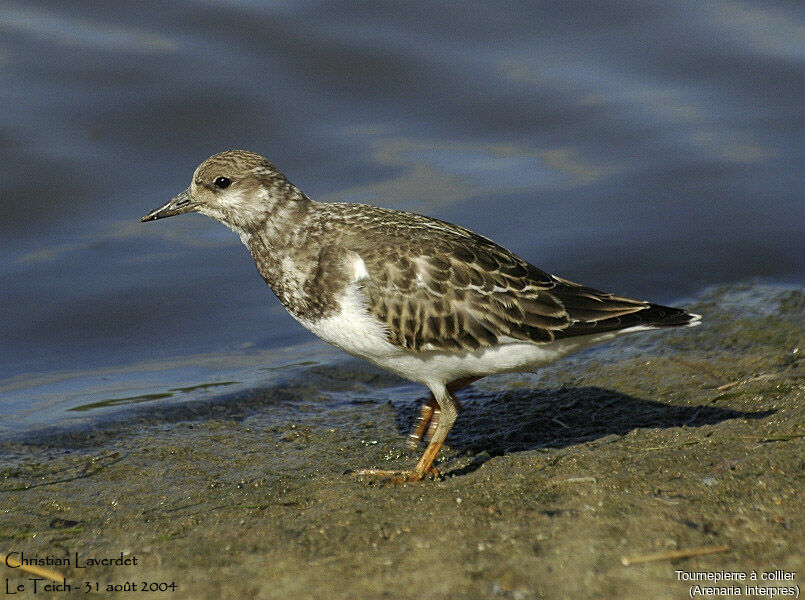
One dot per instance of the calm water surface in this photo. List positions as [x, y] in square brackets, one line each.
[648, 148]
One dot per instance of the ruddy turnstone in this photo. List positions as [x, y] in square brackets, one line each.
[428, 300]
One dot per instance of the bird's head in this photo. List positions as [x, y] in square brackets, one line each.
[239, 188]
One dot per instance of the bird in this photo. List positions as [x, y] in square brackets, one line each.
[430, 301]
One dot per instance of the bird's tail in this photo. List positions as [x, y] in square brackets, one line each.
[651, 316]
[656, 315]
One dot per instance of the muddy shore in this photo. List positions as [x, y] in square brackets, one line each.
[676, 440]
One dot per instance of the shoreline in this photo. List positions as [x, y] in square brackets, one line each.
[683, 441]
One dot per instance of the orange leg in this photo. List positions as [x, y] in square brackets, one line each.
[446, 404]
[429, 414]
[426, 418]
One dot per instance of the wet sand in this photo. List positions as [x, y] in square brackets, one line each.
[671, 441]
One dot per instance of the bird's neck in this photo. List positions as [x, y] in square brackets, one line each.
[285, 251]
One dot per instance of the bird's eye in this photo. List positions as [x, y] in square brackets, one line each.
[222, 182]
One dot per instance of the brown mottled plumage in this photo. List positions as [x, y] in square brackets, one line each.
[443, 287]
[426, 299]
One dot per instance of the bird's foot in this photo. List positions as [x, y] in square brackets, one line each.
[390, 476]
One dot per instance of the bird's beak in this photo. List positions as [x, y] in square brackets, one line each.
[180, 204]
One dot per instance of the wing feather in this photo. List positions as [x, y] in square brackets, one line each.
[436, 286]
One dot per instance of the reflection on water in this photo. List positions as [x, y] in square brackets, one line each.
[652, 149]
[76, 398]
[120, 401]
[67, 31]
[149, 397]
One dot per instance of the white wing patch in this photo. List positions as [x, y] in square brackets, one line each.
[357, 266]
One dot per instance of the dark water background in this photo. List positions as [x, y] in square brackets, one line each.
[647, 148]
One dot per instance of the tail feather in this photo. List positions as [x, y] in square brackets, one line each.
[657, 315]
[653, 316]
[593, 311]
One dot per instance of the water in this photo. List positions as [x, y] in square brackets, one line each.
[647, 148]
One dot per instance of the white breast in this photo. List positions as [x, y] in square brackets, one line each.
[353, 328]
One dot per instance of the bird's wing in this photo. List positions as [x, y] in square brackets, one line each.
[460, 291]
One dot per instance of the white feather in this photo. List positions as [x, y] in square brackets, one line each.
[353, 328]
[358, 267]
